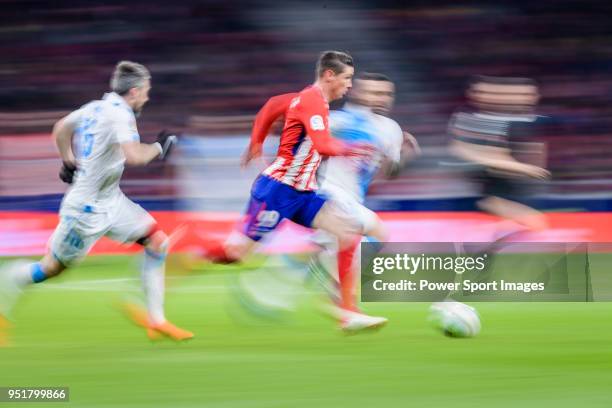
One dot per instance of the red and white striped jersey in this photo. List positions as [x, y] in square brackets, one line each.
[304, 139]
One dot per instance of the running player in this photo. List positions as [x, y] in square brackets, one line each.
[94, 206]
[364, 120]
[287, 188]
[499, 109]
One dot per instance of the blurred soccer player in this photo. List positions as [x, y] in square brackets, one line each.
[364, 120]
[345, 181]
[94, 206]
[498, 107]
[287, 188]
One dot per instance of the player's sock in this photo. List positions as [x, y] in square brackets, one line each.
[346, 276]
[25, 274]
[323, 269]
[14, 277]
[153, 271]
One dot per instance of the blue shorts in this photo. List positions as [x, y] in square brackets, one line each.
[272, 201]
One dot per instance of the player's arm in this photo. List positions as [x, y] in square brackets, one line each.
[327, 145]
[139, 154]
[62, 134]
[401, 148]
[273, 109]
[314, 116]
[497, 158]
[135, 152]
[481, 148]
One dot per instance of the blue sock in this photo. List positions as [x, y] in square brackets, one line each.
[38, 275]
[159, 256]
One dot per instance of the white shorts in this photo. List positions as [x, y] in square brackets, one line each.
[80, 229]
[365, 218]
[352, 208]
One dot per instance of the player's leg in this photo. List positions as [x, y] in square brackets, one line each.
[502, 197]
[15, 276]
[133, 224]
[340, 217]
[156, 247]
[23, 273]
[332, 218]
[70, 242]
[324, 263]
[374, 227]
[521, 214]
[374, 232]
[231, 250]
[337, 218]
[349, 266]
[271, 201]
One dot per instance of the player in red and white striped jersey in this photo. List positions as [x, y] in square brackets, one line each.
[287, 188]
[304, 140]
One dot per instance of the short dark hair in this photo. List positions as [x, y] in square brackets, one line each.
[334, 60]
[373, 76]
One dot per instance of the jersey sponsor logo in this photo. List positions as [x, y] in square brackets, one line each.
[317, 123]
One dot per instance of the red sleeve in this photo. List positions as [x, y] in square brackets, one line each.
[274, 108]
[315, 116]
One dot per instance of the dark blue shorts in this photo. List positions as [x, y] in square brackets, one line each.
[272, 201]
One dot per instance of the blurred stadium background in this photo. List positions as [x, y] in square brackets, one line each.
[213, 65]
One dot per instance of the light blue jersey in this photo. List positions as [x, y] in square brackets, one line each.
[358, 124]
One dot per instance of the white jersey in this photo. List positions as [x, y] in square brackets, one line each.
[100, 127]
[358, 124]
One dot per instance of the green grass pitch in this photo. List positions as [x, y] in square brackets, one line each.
[67, 333]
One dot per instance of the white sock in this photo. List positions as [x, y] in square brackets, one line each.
[15, 276]
[153, 271]
[22, 273]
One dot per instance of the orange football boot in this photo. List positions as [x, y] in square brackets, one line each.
[140, 317]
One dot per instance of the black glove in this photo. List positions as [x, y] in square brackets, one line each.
[166, 141]
[67, 171]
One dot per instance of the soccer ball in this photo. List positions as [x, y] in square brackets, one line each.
[455, 319]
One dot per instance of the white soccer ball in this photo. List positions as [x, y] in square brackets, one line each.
[455, 319]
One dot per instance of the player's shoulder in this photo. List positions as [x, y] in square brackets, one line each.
[387, 121]
[389, 125]
[86, 110]
[339, 120]
[311, 96]
[341, 115]
[117, 113]
[311, 91]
